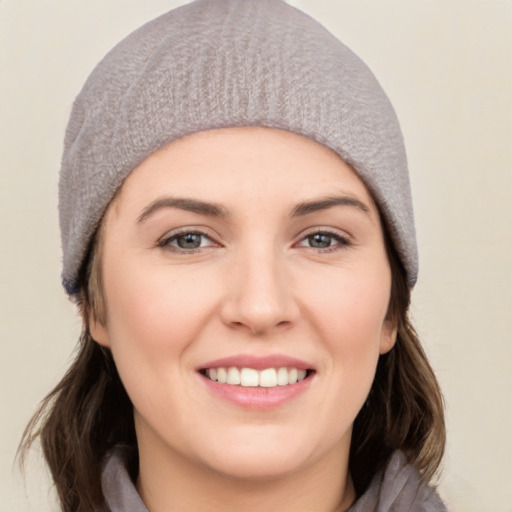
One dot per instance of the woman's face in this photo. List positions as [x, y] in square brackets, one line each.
[245, 254]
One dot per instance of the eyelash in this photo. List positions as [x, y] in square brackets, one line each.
[341, 241]
[165, 243]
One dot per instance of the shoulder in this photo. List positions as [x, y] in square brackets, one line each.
[398, 488]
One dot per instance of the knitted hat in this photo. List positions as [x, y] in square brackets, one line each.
[225, 63]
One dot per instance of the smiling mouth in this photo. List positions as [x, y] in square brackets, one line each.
[250, 377]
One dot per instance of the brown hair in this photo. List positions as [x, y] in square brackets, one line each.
[89, 411]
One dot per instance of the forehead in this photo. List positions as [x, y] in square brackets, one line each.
[241, 165]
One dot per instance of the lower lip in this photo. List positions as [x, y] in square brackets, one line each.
[257, 397]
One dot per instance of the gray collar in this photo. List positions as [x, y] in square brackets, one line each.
[397, 489]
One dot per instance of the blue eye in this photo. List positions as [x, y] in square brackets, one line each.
[322, 240]
[186, 241]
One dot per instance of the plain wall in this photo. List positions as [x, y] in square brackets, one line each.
[447, 67]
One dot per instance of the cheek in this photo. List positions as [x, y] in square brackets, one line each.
[155, 306]
[349, 311]
[350, 305]
[154, 317]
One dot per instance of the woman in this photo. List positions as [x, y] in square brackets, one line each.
[237, 230]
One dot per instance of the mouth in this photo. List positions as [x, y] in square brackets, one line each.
[271, 377]
[257, 382]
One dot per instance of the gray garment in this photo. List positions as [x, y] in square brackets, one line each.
[397, 489]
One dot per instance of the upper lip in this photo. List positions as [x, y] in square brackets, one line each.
[258, 362]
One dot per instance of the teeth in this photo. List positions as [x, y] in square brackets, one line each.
[222, 375]
[233, 376]
[249, 377]
[268, 378]
[282, 377]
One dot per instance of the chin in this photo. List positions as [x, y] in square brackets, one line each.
[268, 457]
[261, 467]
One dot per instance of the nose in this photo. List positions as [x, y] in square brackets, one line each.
[259, 295]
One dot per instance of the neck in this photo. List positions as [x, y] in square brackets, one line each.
[169, 482]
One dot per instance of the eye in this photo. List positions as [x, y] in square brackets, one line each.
[324, 241]
[186, 241]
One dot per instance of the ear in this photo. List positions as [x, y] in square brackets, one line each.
[99, 331]
[387, 336]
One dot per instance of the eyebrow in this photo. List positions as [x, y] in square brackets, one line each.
[218, 210]
[307, 207]
[190, 205]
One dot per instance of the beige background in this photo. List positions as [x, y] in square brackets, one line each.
[447, 66]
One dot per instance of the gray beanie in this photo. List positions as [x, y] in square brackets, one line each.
[225, 63]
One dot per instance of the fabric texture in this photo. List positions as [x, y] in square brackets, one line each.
[396, 489]
[225, 63]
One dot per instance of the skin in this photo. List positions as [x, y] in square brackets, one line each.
[257, 285]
